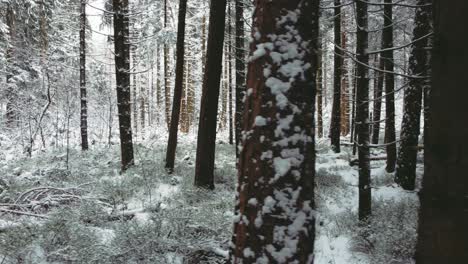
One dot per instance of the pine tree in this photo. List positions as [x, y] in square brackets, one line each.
[122, 71]
[84, 108]
[240, 69]
[443, 229]
[179, 82]
[362, 110]
[274, 216]
[335, 126]
[206, 142]
[410, 128]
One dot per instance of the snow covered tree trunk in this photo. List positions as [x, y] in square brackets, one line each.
[443, 229]
[84, 108]
[275, 202]
[335, 125]
[387, 56]
[11, 114]
[410, 128]
[206, 142]
[179, 82]
[240, 69]
[362, 110]
[344, 108]
[377, 111]
[122, 71]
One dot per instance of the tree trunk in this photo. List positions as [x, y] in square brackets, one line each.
[319, 93]
[206, 143]
[167, 89]
[230, 119]
[84, 108]
[11, 114]
[443, 229]
[335, 127]
[344, 122]
[275, 217]
[378, 89]
[390, 138]
[240, 70]
[122, 72]
[362, 110]
[179, 82]
[410, 128]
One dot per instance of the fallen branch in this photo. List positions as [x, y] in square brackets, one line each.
[23, 213]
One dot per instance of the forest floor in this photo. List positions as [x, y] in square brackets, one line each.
[89, 213]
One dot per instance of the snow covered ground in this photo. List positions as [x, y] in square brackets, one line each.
[92, 214]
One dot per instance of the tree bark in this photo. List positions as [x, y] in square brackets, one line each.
[122, 71]
[443, 229]
[319, 93]
[362, 110]
[344, 108]
[179, 82]
[83, 98]
[275, 220]
[206, 143]
[377, 111]
[230, 98]
[410, 128]
[390, 138]
[335, 127]
[167, 89]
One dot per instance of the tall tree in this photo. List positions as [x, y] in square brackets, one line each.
[275, 220]
[362, 109]
[229, 66]
[443, 229]
[179, 82]
[335, 126]
[240, 69]
[410, 128]
[167, 89]
[387, 56]
[344, 108]
[84, 108]
[206, 142]
[122, 72]
[320, 93]
[377, 111]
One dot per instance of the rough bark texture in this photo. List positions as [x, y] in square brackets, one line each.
[274, 217]
[443, 229]
[206, 143]
[122, 71]
[377, 111]
[335, 126]
[179, 82]
[410, 128]
[362, 110]
[84, 108]
[240, 69]
[390, 137]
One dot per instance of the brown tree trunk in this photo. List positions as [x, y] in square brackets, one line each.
[179, 82]
[362, 110]
[411, 126]
[335, 126]
[206, 143]
[443, 229]
[390, 138]
[275, 214]
[122, 72]
[83, 98]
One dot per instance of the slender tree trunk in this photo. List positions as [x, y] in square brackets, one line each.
[319, 93]
[362, 111]
[230, 114]
[344, 108]
[83, 98]
[158, 85]
[378, 89]
[206, 143]
[443, 229]
[275, 198]
[240, 69]
[179, 82]
[390, 138]
[410, 128]
[11, 114]
[167, 89]
[335, 127]
[122, 71]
